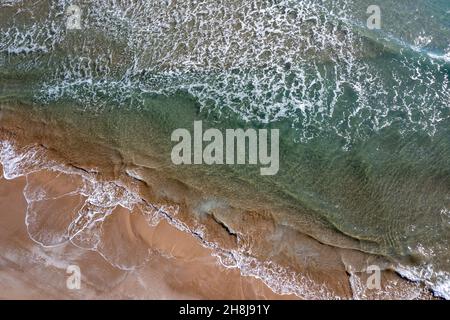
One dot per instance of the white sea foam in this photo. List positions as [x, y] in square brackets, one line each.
[276, 277]
[445, 57]
[437, 281]
[19, 164]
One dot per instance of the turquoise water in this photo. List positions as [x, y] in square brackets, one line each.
[364, 114]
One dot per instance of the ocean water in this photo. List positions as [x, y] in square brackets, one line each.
[364, 115]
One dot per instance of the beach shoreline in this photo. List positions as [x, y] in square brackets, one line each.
[210, 258]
